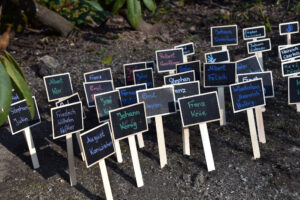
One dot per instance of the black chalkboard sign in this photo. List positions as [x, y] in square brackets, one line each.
[128, 120]
[66, 119]
[266, 77]
[247, 95]
[189, 66]
[19, 117]
[290, 68]
[219, 74]
[188, 48]
[217, 57]
[58, 86]
[99, 75]
[166, 60]
[289, 28]
[144, 76]
[105, 102]
[224, 35]
[128, 71]
[290, 52]
[254, 32]
[259, 46]
[158, 101]
[199, 109]
[15, 97]
[294, 90]
[93, 88]
[248, 65]
[151, 64]
[70, 99]
[128, 94]
[97, 144]
[185, 90]
[182, 77]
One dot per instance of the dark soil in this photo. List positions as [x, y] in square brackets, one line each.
[275, 175]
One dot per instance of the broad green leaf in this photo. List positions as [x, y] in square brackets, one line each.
[5, 94]
[14, 62]
[107, 2]
[150, 4]
[106, 60]
[117, 6]
[134, 12]
[95, 5]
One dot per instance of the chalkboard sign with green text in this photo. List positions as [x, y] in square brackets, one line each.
[219, 74]
[188, 48]
[289, 28]
[290, 68]
[99, 75]
[224, 35]
[181, 77]
[166, 60]
[128, 71]
[259, 46]
[128, 93]
[294, 90]
[144, 76]
[217, 57]
[248, 65]
[189, 66]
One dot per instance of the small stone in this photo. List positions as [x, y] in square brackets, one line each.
[47, 66]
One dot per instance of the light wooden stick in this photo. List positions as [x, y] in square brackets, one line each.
[161, 141]
[222, 106]
[253, 134]
[135, 161]
[80, 146]
[207, 147]
[118, 151]
[260, 125]
[32, 151]
[72, 173]
[289, 39]
[140, 140]
[106, 184]
[186, 141]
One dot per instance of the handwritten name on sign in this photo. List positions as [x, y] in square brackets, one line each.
[185, 90]
[219, 74]
[224, 35]
[182, 77]
[128, 120]
[99, 75]
[166, 60]
[58, 86]
[294, 90]
[93, 88]
[290, 68]
[66, 119]
[199, 108]
[190, 66]
[151, 64]
[70, 99]
[97, 144]
[128, 94]
[19, 117]
[266, 77]
[217, 57]
[248, 65]
[159, 101]
[128, 71]
[105, 102]
[291, 52]
[247, 95]
[254, 32]
[15, 97]
[289, 28]
[259, 46]
[144, 76]
[188, 48]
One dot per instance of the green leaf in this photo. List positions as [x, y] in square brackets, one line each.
[14, 62]
[107, 60]
[117, 6]
[150, 4]
[5, 94]
[134, 12]
[95, 5]
[107, 2]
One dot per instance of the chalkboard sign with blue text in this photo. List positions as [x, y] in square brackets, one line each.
[289, 28]
[99, 75]
[128, 71]
[15, 97]
[66, 119]
[219, 74]
[185, 90]
[151, 64]
[58, 86]
[159, 101]
[19, 117]
[247, 95]
[105, 102]
[128, 120]
[259, 46]
[201, 108]
[182, 77]
[254, 32]
[97, 144]
[248, 65]
[217, 57]
[294, 90]
[290, 52]
[144, 76]
[93, 88]
[290, 68]
[190, 66]
[224, 35]
[128, 93]
[188, 48]
[166, 60]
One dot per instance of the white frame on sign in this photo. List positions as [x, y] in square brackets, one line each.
[255, 27]
[100, 70]
[247, 59]
[128, 64]
[291, 61]
[290, 46]
[216, 52]
[63, 99]
[186, 72]
[138, 70]
[286, 23]
[257, 41]
[157, 63]
[211, 35]
[186, 44]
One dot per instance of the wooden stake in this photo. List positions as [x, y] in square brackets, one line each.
[161, 141]
[207, 147]
[118, 151]
[72, 173]
[80, 146]
[186, 141]
[260, 125]
[135, 161]
[253, 133]
[222, 105]
[289, 39]
[105, 179]
[140, 140]
[32, 151]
